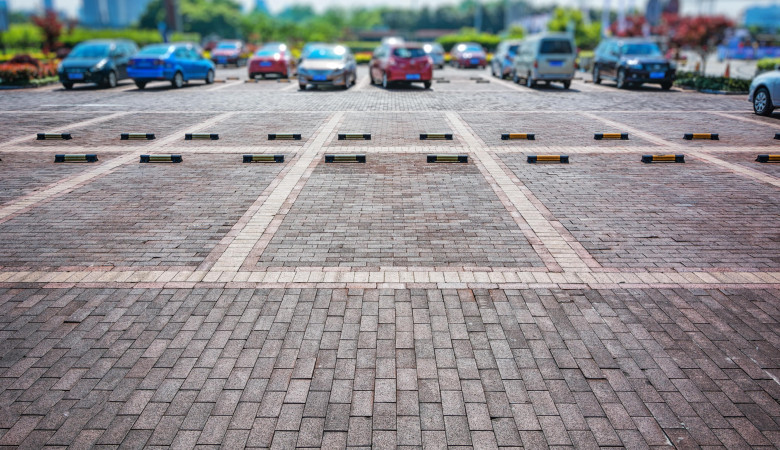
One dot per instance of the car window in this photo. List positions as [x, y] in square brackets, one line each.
[406, 53]
[194, 54]
[555, 46]
[641, 49]
[181, 53]
[512, 49]
[154, 50]
[90, 51]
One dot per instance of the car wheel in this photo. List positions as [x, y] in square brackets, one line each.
[621, 79]
[385, 83]
[427, 84]
[210, 77]
[111, 80]
[178, 80]
[762, 104]
[493, 70]
[140, 84]
[566, 84]
[302, 86]
[515, 78]
[596, 75]
[529, 82]
[666, 86]
[67, 85]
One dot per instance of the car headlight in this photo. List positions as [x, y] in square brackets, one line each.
[99, 66]
[634, 64]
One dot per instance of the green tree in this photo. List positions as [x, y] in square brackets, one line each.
[221, 17]
[587, 36]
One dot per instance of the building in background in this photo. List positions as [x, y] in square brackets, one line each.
[48, 5]
[111, 13]
[765, 18]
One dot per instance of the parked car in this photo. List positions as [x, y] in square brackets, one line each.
[407, 63]
[436, 52]
[503, 58]
[229, 52]
[327, 65]
[468, 54]
[177, 63]
[98, 61]
[632, 62]
[548, 57]
[272, 59]
[765, 93]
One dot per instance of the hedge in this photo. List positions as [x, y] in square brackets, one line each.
[489, 41]
[140, 37]
[17, 74]
[702, 83]
[766, 64]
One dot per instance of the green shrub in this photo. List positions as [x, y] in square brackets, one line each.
[23, 36]
[487, 40]
[140, 37]
[361, 46]
[766, 64]
[701, 83]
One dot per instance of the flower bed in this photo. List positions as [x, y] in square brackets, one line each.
[712, 84]
[25, 70]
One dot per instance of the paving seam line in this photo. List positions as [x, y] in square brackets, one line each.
[566, 257]
[68, 127]
[35, 199]
[746, 119]
[243, 243]
[699, 154]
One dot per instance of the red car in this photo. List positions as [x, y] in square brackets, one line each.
[407, 63]
[228, 52]
[272, 59]
[469, 54]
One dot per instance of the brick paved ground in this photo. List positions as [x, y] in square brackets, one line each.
[604, 303]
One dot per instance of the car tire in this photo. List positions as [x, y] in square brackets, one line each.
[621, 80]
[301, 86]
[210, 77]
[111, 80]
[515, 77]
[666, 86]
[67, 85]
[427, 84]
[385, 83]
[140, 84]
[178, 80]
[762, 103]
[596, 75]
[566, 84]
[529, 81]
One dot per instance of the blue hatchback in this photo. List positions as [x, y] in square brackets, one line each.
[177, 63]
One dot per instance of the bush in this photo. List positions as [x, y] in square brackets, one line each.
[702, 83]
[140, 37]
[24, 69]
[361, 46]
[487, 40]
[363, 57]
[24, 58]
[766, 64]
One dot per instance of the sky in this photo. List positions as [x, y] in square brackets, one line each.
[731, 8]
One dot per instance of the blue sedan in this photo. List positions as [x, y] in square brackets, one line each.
[177, 63]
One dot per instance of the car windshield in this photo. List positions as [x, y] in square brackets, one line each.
[326, 53]
[408, 52]
[267, 52]
[90, 51]
[227, 46]
[472, 48]
[644, 48]
[154, 50]
[512, 49]
[555, 46]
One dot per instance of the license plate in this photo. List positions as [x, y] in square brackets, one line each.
[657, 74]
[475, 61]
[265, 64]
[556, 63]
[320, 78]
[75, 76]
[222, 60]
[413, 77]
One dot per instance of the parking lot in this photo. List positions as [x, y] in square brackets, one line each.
[396, 302]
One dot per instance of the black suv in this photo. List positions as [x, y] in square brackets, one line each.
[632, 62]
[101, 61]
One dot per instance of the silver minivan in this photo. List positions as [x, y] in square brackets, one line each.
[545, 57]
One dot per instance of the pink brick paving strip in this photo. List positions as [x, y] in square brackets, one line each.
[240, 248]
[565, 255]
[744, 171]
[70, 127]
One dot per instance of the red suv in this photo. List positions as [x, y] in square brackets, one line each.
[272, 59]
[469, 54]
[407, 63]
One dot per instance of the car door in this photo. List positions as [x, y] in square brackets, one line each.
[199, 64]
[611, 58]
[121, 55]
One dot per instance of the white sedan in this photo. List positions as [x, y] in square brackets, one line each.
[765, 93]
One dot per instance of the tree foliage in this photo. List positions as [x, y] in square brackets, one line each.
[51, 27]
[587, 36]
[221, 17]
